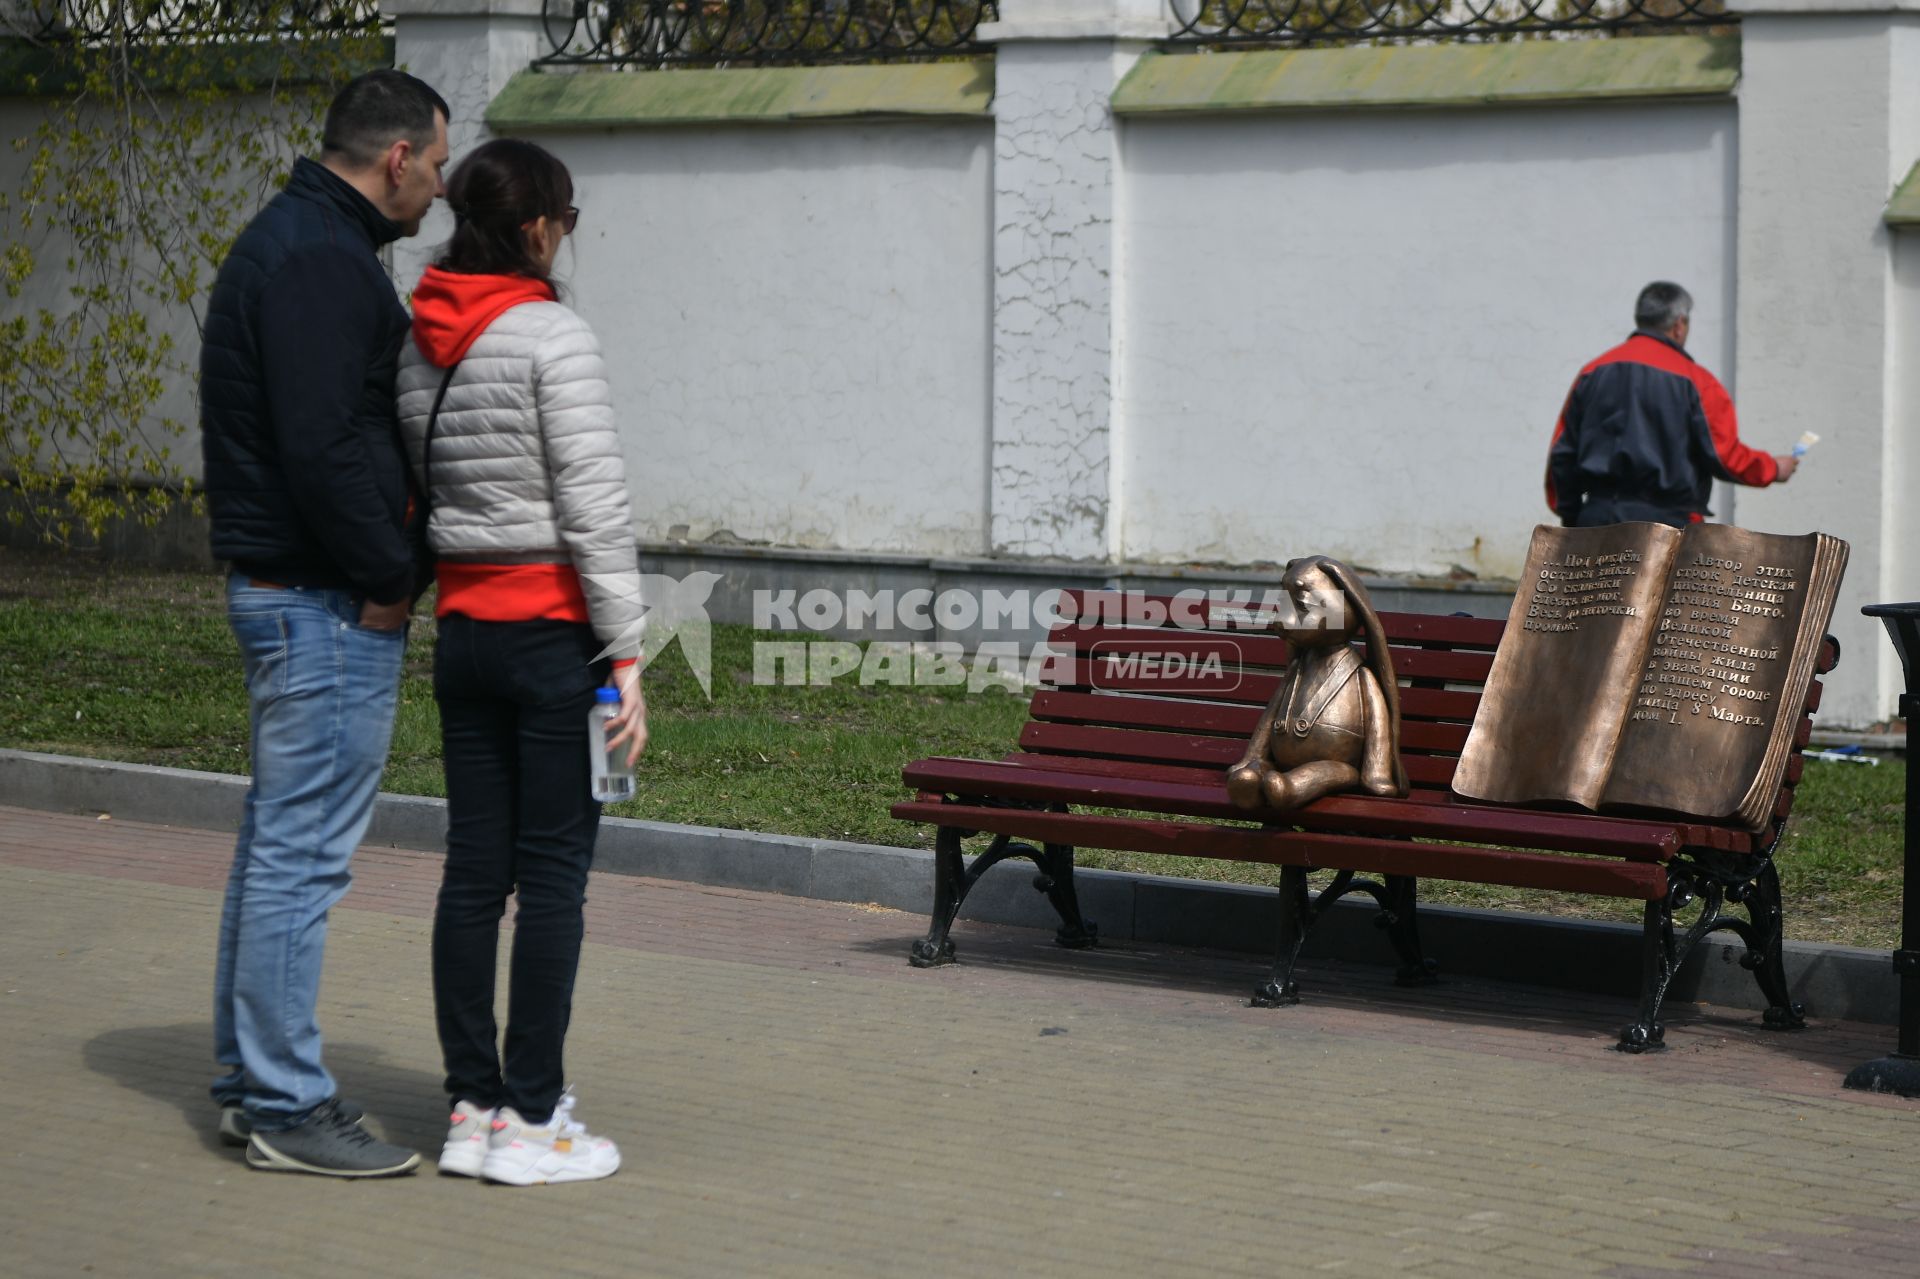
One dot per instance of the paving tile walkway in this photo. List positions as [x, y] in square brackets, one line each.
[793, 1099]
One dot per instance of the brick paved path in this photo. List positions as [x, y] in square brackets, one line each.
[793, 1099]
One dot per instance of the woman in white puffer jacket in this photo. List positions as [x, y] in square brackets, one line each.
[509, 425]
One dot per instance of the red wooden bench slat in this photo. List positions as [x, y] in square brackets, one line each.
[1429, 770]
[1693, 833]
[1426, 778]
[1241, 649]
[1186, 774]
[1256, 688]
[1362, 815]
[1169, 612]
[1457, 705]
[1606, 877]
[1184, 748]
[1143, 712]
[1187, 748]
[1418, 735]
[1429, 776]
[1417, 705]
[1207, 718]
[1454, 632]
[1181, 748]
[1123, 743]
[1234, 651]
[1195, 775]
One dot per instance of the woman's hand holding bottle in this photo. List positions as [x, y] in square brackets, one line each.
[628, 726]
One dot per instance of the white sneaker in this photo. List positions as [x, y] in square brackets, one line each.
[559, 1150]
[466, 1147]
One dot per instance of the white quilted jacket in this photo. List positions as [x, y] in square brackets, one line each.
[526, 465]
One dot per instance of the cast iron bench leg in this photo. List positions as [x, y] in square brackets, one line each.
[950, 884]
[953, 879]
[1296, 917]
[1656, 970]
[1758, 891]
[1399, 915]
[1056, 881]
[1300, 911]
[1764, 933]
[1763, 957]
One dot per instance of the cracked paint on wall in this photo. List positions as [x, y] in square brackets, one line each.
[1055, 150]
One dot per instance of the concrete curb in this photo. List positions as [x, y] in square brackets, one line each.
[1833, 981]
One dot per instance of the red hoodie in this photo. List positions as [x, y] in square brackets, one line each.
[450, 312]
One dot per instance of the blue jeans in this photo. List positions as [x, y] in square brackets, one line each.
[322, 690]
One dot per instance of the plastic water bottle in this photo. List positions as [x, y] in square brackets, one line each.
[612, 777]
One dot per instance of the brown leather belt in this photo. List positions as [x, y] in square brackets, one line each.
[260, 584]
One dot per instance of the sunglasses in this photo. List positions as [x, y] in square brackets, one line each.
[568, 219]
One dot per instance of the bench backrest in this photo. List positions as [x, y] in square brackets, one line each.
[1161, 686]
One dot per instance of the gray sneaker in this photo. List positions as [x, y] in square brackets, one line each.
[329, 1145]
[235, 1127]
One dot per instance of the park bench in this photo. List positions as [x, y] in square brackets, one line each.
[1127, 747]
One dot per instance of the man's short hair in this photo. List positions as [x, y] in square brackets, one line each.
[377, 110]
[1662, 305]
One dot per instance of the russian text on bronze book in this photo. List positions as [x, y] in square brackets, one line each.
[1649, 668]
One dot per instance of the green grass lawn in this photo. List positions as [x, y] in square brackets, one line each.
[136, 665]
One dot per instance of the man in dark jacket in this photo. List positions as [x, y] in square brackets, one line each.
[310, 503]
[1645, 431]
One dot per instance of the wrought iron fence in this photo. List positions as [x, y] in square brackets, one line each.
[158, 21]
[1301, 22]
[662, 33]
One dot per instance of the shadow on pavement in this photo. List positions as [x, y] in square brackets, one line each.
[1494, 1010]
[174, 1064]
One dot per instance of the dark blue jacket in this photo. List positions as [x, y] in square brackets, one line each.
[1644, 433]
[306, 483]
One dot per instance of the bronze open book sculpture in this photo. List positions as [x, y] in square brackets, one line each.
[1648, 669]
[1334, 723]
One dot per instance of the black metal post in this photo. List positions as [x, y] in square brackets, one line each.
[1900, 1071]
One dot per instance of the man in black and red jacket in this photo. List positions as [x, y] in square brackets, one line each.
[1645, 431]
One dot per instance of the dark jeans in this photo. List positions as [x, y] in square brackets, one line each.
[513, 701]
[1619, 510]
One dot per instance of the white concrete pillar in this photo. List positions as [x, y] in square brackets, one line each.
[1056, 166]
[467, 50]
[1829, 101]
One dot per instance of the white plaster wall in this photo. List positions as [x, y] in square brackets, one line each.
[1827, 339]
[1899, 579]
[1899, 490]
[1352, 334]
[467, 55]
[797, 325]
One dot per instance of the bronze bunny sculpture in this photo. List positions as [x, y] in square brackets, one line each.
[1334, 724]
